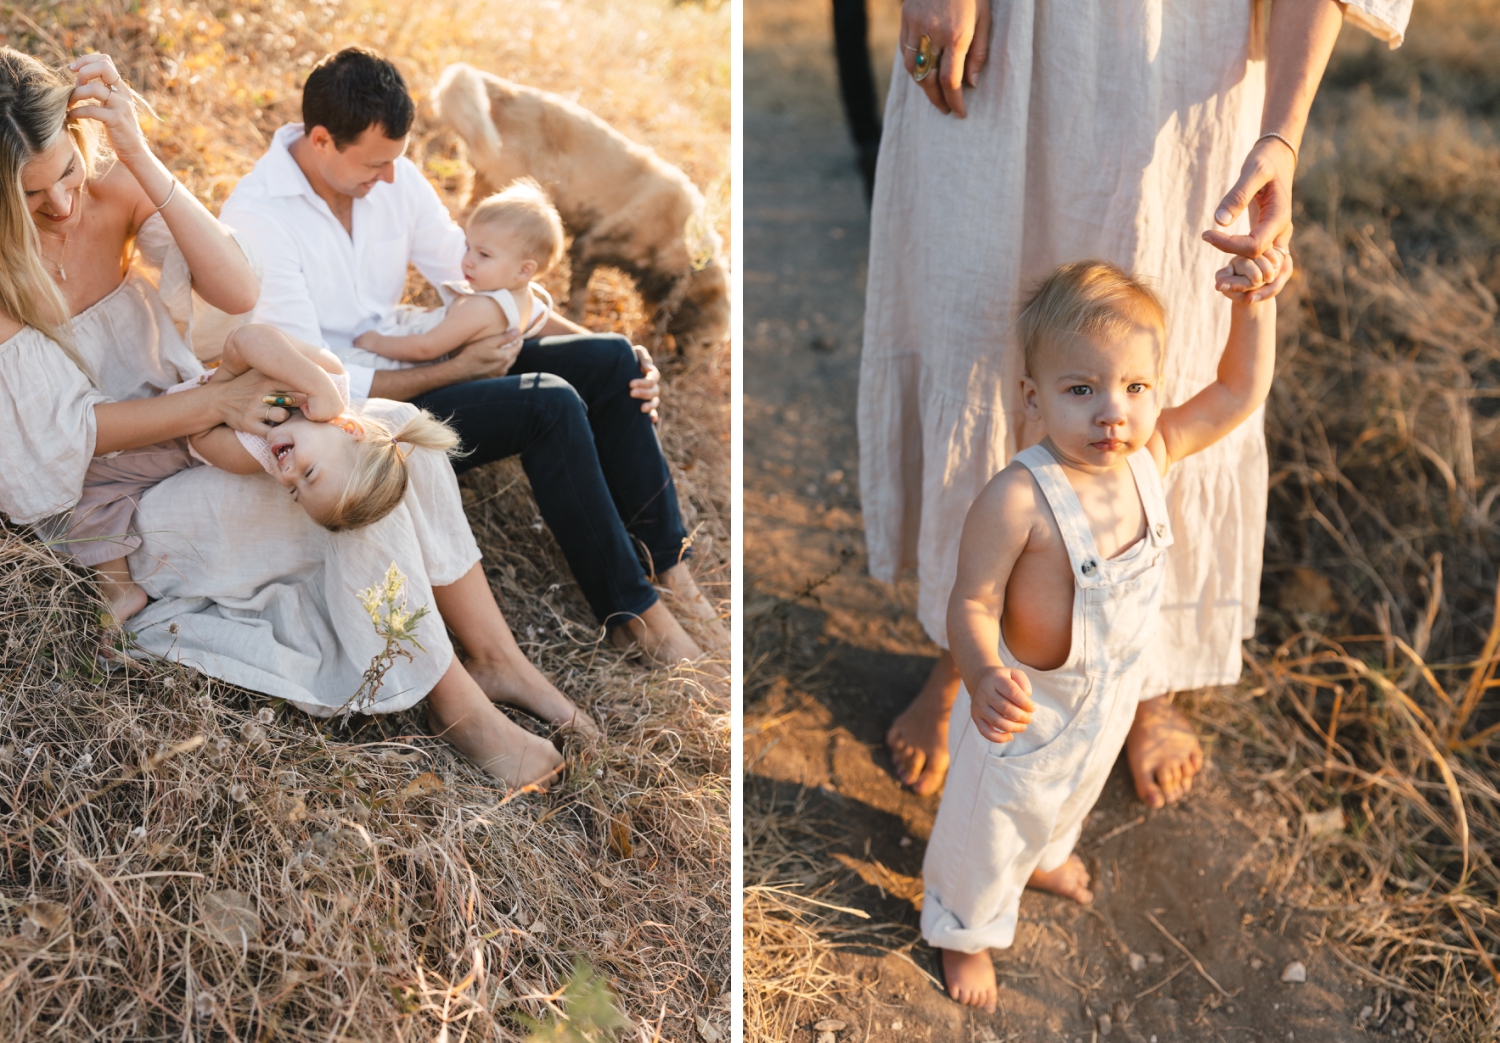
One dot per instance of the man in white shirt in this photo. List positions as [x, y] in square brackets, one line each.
[336, 213]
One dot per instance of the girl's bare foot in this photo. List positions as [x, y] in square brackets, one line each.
[690, 600]
[120, 592]
[918, 739]
[460, 712]
[971, 978]
[1164, 753]
[1071, 880]
[515, 682]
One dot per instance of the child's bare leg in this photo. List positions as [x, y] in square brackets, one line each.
[459, 711]
[918, 738]
[971, 978]
[687, 597]
[124, 597]
[1071, 880]
[495, 661]
[1164, 753]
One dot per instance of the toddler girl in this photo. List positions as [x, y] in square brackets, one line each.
[1059, 590]
[513, 237]
[346, 469]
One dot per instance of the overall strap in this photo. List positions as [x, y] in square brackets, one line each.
[1071, 521]
[1153, 499]
[508, 305]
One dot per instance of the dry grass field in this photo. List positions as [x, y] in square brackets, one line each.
[183, 860]
[1366, 726]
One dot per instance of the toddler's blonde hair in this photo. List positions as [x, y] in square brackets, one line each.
[1090, 299]
[379, 479]
[524, 210]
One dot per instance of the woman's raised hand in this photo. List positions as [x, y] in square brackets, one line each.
[960, 35]
[1266, 181]
[113, 102]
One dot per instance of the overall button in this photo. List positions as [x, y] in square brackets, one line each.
[1087, 567]
[1161, 529]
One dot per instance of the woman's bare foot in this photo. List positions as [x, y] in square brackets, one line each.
[1164, 753]
[515, 682]
[658, 635]
[460, 712]
[918, 739]
[120, 592]
[690, 600]
[971, 978]
[1071, 880]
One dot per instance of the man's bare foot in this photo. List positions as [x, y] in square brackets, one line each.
[692, 604]
[1164, 753]
[971, 978]
[918, 739]
[1071, 880]
[516, 682]
[498, 746]
[658, 635]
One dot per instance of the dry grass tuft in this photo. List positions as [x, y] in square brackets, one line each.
[183, 858]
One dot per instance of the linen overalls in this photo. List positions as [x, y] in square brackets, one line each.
[1011, 808]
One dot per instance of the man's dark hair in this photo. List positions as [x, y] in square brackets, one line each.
[353, 90]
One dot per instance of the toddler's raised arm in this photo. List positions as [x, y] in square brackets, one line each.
[305, 369]
[1244, 376]
[995, 534]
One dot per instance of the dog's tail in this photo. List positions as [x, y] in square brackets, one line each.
[463, 103]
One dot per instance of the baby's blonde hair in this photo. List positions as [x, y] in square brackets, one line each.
[379, 479]
[524, 210]
[1090, 299]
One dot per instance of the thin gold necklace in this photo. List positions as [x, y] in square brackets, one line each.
[62, 273]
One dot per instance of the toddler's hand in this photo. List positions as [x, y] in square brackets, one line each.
[322, 407]
[1002, 704]
[369, 341]
[1243, 276]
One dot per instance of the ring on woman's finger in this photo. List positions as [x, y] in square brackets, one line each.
[926, 60]
[111, 87]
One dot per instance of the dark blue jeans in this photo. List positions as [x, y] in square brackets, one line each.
[595, 466]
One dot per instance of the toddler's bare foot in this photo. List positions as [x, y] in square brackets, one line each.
[918, 738]
[497, 745]
[971, 978]
[1071, 880]
[516, 682]
[124, 601]
[690, 600]
[1164, 753]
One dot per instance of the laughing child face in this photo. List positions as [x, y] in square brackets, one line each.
[315, 461]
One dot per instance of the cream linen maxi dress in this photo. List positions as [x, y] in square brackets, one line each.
[251, 590]
[1105, 131]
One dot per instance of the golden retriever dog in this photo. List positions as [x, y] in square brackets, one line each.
[622, 204]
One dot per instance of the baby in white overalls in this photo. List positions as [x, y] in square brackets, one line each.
[513, 237]
[1059, 591]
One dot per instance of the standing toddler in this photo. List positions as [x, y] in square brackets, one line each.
[1059, 590]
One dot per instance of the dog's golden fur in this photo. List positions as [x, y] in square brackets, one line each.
[623, 205]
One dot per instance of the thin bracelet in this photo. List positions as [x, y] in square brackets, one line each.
[1268, 134]
[173, 192]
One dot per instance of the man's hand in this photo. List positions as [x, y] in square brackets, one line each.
[647, 387]
[1001, 704]
[490, 356]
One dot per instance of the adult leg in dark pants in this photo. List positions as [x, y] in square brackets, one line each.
[542, 418]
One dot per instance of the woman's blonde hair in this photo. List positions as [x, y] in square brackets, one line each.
[379, 479]
[1090, 299]
[33, 114]
[524, 210]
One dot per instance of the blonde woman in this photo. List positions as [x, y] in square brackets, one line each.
[106, 264]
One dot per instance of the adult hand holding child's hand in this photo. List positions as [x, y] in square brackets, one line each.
[1001, 703]
[1266, 182]
[1251, 279]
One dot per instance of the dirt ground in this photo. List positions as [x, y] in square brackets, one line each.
[832, 656]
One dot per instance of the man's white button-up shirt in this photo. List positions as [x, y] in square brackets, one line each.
[319, 282]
